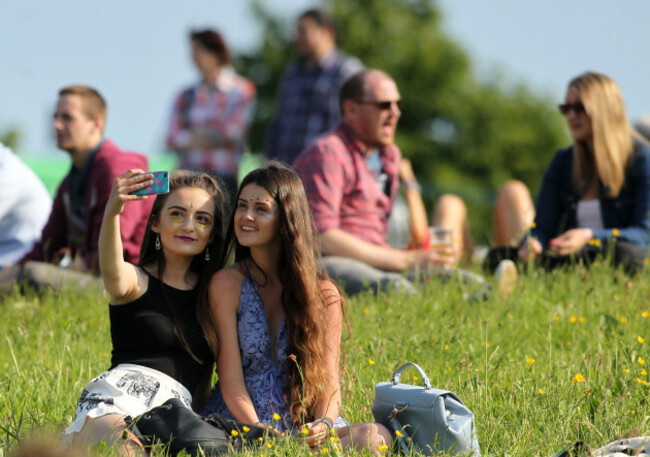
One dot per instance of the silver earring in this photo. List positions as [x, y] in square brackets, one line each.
[207, 254]
[158, 245]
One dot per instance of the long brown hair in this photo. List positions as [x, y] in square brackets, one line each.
[204, 269]
[612, 134]
[303, 302]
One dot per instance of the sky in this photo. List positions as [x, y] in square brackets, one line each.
[137, 54]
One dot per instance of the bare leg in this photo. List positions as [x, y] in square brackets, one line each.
[514, 212]
[451, 212]
[112, 429]
[367, 435]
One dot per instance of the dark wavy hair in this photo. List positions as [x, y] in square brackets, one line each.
[303, 300]
[204, 269]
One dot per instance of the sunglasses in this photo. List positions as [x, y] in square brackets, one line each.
[382, 106]
[577, 108]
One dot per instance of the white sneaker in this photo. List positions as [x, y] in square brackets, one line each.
[506, 277]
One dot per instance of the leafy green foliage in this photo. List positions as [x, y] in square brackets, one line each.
[11, 138]
[463, 136]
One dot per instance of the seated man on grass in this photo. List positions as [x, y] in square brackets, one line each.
[351, 175]
[67, 250]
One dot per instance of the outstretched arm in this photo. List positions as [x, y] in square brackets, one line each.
[341, 243]
[120, 277]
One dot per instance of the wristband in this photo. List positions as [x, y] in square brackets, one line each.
[412, 184]
[327, 421]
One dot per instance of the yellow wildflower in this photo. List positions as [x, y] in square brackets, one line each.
[323, 451]
[623, 320]
[615, 232]
[644, 373]
[276, 417]
[334, 439]
[625, 371]
[641, 381]
[578, 378]
[533, 225]
[646, 260]
[269, 445]
[446, 347]
[640, 339]
[541, 392]
[645, 314]
[305, 431]
[569, 343]
[415, 378]
[582, 319]
[573, 319]
[234, 433]
[365, 311]
[246, 429]
[641, 361]
[530, 361]
[383, 448]
[399, 433]
[371, 362]
[486, 344]
[556, 319]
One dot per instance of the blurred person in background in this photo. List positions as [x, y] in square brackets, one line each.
[66, 252]
[306, 103]
[210, 119]
[25, 205]
[351, 175]
[595, 195]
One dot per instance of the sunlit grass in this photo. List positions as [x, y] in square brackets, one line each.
[565, 358]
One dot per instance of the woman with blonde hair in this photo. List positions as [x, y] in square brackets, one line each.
[595, 195]
[279, 319]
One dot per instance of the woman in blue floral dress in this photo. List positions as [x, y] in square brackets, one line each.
[279, 319]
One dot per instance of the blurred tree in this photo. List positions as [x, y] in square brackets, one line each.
[11, 138]
[462, 135]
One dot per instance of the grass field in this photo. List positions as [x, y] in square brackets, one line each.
[563, 359]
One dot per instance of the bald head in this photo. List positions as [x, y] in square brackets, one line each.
[369, 102]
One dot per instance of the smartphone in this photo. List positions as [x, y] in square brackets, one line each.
[160, 184]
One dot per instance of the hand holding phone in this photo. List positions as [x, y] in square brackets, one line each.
[160, 184]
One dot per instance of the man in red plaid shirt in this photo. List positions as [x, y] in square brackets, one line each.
[351, 175]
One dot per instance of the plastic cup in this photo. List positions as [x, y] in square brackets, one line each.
[440, 237]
